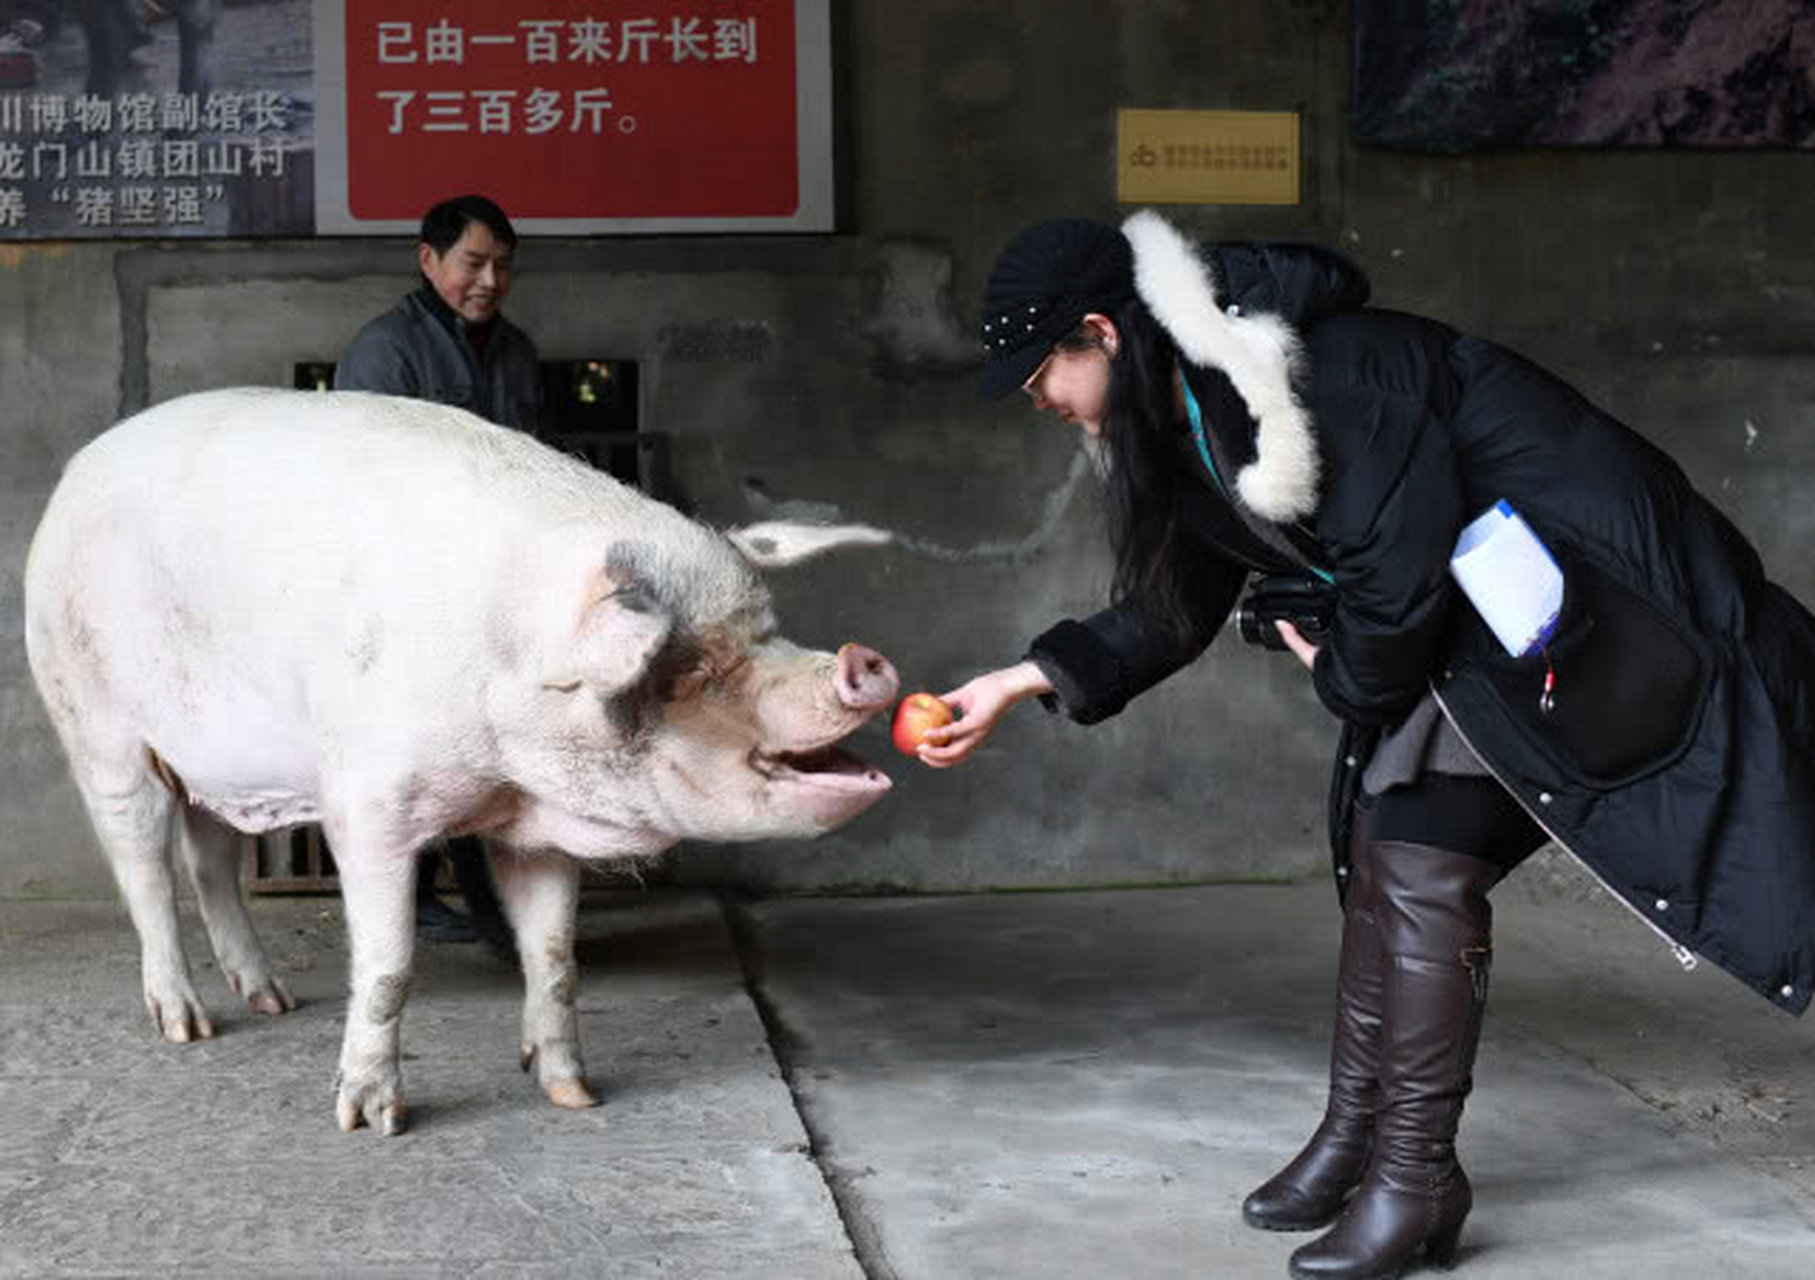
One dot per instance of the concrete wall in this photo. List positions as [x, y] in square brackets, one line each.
[1673, 287]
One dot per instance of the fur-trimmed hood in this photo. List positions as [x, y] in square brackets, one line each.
[1246, 330]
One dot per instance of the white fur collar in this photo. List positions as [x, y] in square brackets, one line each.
[1258, 353]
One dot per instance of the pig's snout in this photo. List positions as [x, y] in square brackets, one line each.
[866, 680]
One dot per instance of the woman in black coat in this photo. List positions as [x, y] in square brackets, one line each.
[1259, 419]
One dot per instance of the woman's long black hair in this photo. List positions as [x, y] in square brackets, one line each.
[1144, 478]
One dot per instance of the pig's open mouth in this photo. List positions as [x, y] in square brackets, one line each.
[827, 766]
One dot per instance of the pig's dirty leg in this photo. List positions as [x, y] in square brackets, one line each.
[208, 850]
[378, 888]
[132, 812]
[540, 894]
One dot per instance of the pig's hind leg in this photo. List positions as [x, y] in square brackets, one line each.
[209, 848]
[540, 893]
[132, 809]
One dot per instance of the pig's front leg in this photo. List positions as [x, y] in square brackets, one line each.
[378, 888]
[540, 893]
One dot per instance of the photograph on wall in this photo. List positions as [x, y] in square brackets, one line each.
[231, 118]
[1454, 75]
[155, 118]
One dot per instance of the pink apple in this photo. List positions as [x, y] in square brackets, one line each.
[917, 713]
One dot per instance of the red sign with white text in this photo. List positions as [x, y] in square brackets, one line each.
[573, 108]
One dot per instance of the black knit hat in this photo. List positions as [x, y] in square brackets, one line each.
[1048, 279]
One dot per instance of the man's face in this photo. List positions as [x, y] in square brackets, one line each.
[473, 276]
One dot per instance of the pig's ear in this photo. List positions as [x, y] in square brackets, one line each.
[775, 544]
[622, 627]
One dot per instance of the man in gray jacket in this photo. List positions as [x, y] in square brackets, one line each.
[448, 342]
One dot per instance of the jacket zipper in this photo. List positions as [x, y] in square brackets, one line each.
[1684, 956]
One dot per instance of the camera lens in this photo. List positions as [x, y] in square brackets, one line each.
[1257, 628]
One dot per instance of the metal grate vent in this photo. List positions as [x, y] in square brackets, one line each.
[293, 860]
[298, 860]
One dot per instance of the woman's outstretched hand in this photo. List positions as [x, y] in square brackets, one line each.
[1306, 651]
[979, 704]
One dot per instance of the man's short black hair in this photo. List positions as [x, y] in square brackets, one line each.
[443, 225]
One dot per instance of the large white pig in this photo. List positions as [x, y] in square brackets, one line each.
[253, 608]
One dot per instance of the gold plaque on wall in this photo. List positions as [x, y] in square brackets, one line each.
[1207, 157]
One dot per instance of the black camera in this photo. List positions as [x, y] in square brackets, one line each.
[1306, 603]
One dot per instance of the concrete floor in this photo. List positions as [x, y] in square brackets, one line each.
[1041, 1085]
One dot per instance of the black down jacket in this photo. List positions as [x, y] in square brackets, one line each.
[1679, 760]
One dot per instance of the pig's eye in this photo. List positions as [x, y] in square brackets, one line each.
[707, 672]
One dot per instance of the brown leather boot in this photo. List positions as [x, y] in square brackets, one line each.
[1310, 1191]
[1436, 942]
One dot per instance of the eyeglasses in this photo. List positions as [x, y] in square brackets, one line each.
[1033, 379]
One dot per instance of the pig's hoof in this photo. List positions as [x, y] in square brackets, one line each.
[570, 1092]
[264, 993]
[179, 1016]
[273, 999]
[380, 1106]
